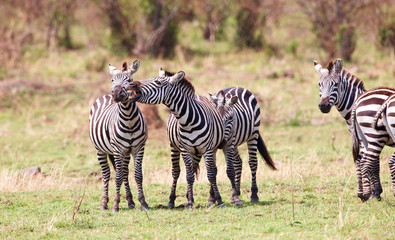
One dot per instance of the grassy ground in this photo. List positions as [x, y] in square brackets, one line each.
[44, 122]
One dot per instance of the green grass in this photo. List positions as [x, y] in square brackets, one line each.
[313, 195]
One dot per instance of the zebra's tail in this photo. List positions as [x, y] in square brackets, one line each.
[264, 153]
[379, 112]
[354, 136]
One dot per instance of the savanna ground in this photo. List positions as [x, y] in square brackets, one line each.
[44, 122]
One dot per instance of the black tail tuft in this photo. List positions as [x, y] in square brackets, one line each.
[264, 153]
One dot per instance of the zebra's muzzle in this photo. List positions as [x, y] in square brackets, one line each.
[325, 105]
[134, 94]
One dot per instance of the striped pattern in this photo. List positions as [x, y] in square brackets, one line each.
[246, 123]
[117, 129]
[374, 133]
[195, 129]
[341, 89]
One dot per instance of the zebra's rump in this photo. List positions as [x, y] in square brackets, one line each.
[366, 108]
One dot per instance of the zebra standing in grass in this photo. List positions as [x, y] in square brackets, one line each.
[374, 131]
[194, 128]
[246, 123]
[340, 88]
[117, 128]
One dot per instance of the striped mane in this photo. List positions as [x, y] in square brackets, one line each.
[346, 75]
[185, 80]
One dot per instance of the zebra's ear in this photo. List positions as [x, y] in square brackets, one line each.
[135, 66]
[124, 66]
[177, 77]
[338, 65]
[320, 69]
[233, 100]
[113, 70]
[162, 72]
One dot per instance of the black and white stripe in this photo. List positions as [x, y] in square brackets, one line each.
[246, 123]
[195, 129]
[341, 89]
[117, 129]
[374, 136]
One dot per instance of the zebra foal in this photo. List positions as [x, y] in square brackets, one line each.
[246, 123]
[117, 128]
[339, 88]
[195, 129]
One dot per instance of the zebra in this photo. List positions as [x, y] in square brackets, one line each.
[386, 114]
[339, 88]
[117, 128]
[195, 129]
[246, 129]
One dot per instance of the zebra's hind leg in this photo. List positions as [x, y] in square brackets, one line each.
[253, 162]
[129, 196]
[376, 185]
[175, 172]
[102, 157]
[392, 171]
[369, 159]
[138, 176]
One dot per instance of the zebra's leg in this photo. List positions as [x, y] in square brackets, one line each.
[188, 160]
[238, 166]
[175, 172]
[253, 162]
[118, 157]
[210, 161]
[376, 188]
[392, 171]
[138, 176]
[105, 169]
[367, 163]
[230, 171]
[129, 196]
[359, 175]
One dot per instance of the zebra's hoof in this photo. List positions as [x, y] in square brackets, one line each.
[238, 203]
[131, 206]
[170, 206]
[222, 205]
[103, 207]
[209, 203]
[115, 210]
[144, 208]
[189, 206]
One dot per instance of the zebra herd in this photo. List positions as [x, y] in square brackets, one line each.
[198, 126]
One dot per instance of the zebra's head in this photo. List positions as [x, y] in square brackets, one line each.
[161, 89]
[121, 81]
[223, 104]
[328, 84]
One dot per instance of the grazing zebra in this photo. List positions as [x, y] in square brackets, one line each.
[117, 129]
[194, 128]
[340, 88]
[246, 123]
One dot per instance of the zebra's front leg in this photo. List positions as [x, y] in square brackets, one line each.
[105, 169]
[210, 161]
[175, 172]
[138, 176]
[188, 160]
[230, 171]
[118, 180]
[129, 196]
[253, 162]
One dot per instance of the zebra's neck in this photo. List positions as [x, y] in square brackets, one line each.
[186, 110]
[350, 88]
[127, 111]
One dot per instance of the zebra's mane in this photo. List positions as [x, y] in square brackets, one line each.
[185, 80]
[347, 75]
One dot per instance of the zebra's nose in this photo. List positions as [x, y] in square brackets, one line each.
[324, 105]
[117, 93]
